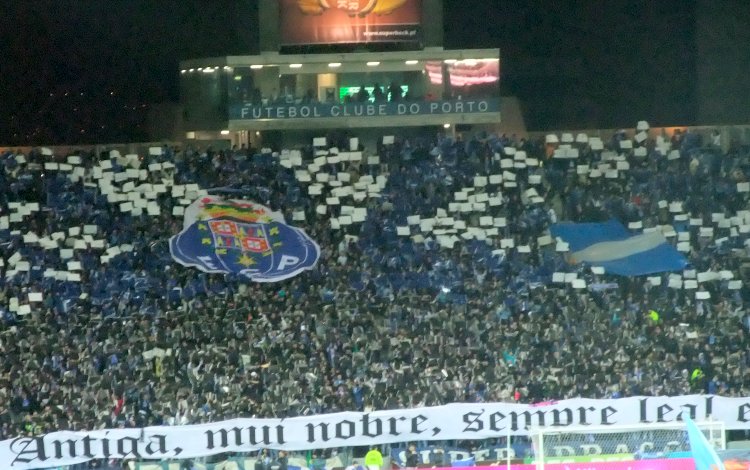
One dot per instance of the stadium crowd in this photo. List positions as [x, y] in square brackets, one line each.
[384, 320]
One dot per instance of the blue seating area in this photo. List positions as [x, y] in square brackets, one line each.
[450, 288]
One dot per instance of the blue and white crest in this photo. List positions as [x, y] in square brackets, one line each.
[246, 239]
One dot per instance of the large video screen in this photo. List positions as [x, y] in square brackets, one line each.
[306, 22]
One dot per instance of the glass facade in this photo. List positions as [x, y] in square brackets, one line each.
[214, 96]
[204, 94]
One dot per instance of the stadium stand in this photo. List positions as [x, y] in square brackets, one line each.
[100, 328]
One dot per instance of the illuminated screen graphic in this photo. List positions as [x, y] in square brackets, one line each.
[306, 22]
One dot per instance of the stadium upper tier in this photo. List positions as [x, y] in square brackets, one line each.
[438, 280]
[358, 90]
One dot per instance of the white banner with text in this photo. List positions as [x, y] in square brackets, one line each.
[459, 421]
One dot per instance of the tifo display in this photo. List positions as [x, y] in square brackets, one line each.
[146, 293]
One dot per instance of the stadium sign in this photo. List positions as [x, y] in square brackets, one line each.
[350, 110]
[449, 422]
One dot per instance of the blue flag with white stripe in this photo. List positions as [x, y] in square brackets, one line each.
[611, 246]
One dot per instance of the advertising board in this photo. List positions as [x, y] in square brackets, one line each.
[310, 22]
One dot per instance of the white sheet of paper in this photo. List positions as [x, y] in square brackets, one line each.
[359, 215]
[495, 201]
[30, 237]
[708, 276]
[635, 225]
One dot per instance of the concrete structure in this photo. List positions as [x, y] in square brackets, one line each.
[288, 93]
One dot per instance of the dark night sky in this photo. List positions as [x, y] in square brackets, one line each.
[573, 63]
